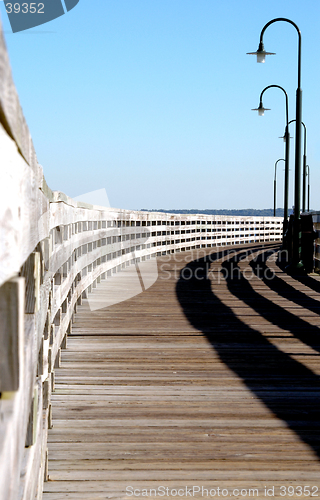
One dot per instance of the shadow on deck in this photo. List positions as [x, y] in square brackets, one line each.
[208, 378]
[281, 380]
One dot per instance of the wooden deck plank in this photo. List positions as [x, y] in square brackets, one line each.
[202, 385]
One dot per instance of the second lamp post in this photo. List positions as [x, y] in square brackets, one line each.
[261, 111]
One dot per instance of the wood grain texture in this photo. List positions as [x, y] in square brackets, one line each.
[193, 382]
[11, 115]
[11, 334]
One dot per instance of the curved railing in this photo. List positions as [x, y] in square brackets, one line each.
[54, 251]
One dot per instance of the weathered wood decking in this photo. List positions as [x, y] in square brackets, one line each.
[210, 381]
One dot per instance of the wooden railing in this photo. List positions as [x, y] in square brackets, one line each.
[54, 252]
[316, 223]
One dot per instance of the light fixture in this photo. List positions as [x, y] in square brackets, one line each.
[261, 53]
[284, 137]
[261, 109]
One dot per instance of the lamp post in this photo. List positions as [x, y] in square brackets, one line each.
[308, 174]
[304, 167]
[286, 136]
[261, 53]
[275, 185]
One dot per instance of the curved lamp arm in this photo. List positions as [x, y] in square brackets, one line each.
[275, 167]
[305, 134]
[261, 53]
[261, 109]
[299, 36]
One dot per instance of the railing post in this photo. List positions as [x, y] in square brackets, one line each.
[11, 334]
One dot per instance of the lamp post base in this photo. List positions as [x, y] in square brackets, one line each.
[295, 269]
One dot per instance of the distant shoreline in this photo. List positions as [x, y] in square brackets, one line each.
[265, 212]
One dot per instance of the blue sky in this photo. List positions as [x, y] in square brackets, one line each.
[151, 99]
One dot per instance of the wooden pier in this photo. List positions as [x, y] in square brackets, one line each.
[208, 380]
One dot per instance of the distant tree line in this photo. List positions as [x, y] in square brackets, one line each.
[265, 212]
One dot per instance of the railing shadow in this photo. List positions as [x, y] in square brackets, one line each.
[304, 279]
[286, 387]
[302, 330]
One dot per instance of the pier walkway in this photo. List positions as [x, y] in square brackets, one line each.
[209, 379]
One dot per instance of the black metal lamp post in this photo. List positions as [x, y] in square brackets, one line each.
[304, 167]
[261, 111]
[261, 53]
[275, 186]
[308, 174]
